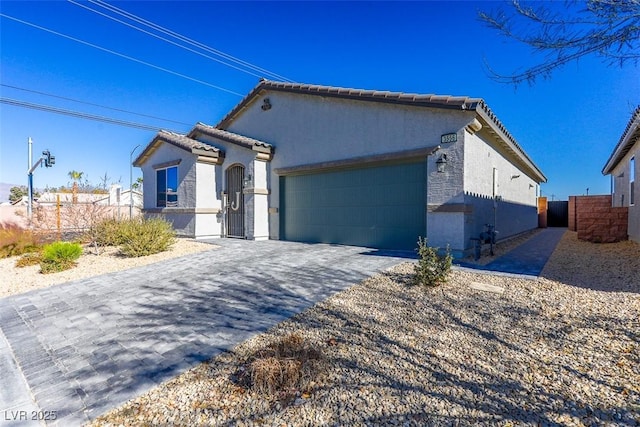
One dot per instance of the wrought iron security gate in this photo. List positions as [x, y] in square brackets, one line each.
[235, 201]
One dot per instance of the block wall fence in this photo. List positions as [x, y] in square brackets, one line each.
[595, 220]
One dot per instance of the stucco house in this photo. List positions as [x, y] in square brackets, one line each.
[624, 167]
[347, 166]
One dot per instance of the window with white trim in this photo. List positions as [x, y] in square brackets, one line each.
[167, 187]
[632, 181]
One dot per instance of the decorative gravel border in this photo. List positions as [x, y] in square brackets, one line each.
[480, 350]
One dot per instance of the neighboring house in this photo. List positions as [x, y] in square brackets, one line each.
[115, 197]
[324, 164]
[624, 167]
[119, 197]
[51, 199]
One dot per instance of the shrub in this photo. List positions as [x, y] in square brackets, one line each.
[108, 232]
[282, 367]
[59, 256]
[29, 259]
[15, 240]
[432, 269]
[146, 237]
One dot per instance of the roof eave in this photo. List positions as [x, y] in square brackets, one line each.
[160, 138]
[629, 138]
[497, 128]
[202, 129]
[442, 102]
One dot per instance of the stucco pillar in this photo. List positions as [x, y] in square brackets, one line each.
[258, 193]
[208, 221]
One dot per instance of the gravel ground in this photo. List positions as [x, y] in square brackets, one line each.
[527, 352]
[14, 280]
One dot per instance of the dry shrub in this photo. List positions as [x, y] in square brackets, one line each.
[29, 259]
[282, 368]
[15, 240]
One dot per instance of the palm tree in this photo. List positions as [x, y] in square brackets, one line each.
[138, 184]
[76, 177]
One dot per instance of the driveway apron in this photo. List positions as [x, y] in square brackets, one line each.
[84, 347]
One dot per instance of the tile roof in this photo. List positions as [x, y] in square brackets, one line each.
[180, 141]
[431, 100]
[183, 141]
[629, 137]
[435, 101]
[234, 138]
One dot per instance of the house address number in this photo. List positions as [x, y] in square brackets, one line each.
[449, 137]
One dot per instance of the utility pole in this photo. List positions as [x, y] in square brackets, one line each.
[30, 180]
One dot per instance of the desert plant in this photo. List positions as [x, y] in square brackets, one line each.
[432, 269]
[59, 256]
[15, 240]
[107, 232]
[141, 237]
[282, 368]
[29, 259]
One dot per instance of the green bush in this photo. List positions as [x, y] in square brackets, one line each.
[432, 269]
[15, 240]
[59, 256]
[146, 237]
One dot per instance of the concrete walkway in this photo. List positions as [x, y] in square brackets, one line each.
[74, 351]
[529, 258]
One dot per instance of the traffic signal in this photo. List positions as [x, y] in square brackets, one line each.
[49, 160]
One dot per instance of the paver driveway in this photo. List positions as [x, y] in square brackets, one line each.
[89, 345]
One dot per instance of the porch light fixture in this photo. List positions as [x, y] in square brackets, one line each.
[246, 182]
[441, 163]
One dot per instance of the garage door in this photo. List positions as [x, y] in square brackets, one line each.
[378, 207]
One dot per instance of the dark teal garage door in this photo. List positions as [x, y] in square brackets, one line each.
[378, 207]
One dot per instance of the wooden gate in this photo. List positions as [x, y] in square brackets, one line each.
[235, 201]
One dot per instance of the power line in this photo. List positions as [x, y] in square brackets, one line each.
[50, 109]
[92, 104]
[180, 37]
[163, 39]
[130, 58]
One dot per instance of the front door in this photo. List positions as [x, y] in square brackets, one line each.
[235, 201]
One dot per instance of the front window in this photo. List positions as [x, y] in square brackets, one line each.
[167, 183]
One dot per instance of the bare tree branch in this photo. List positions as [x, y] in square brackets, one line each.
[609, 29]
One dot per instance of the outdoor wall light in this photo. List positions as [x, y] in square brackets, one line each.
[266, 104]
[246, 182]
[441, 163]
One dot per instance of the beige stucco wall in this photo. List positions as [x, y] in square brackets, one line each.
[194, 215]
[312, 129]
[256, 205]
[621, 193]
[481, 156]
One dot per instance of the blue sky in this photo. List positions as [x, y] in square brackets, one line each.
[568, 124]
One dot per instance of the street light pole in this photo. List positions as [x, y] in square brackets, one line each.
[30, 181]
[131, 181]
